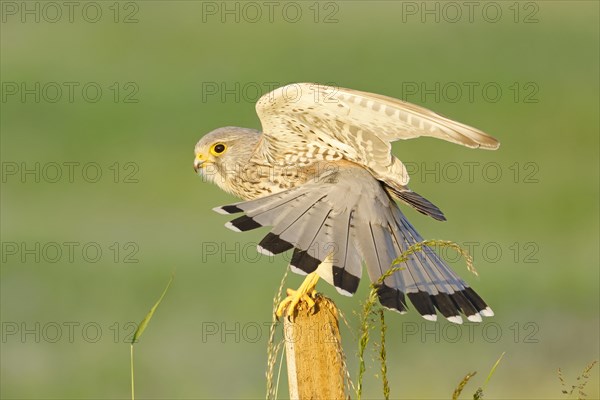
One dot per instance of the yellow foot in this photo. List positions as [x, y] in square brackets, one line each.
[306, 292]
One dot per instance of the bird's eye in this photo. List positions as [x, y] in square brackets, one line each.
[218, 149]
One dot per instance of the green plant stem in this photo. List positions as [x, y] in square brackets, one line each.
[383, 357]
[131, 365]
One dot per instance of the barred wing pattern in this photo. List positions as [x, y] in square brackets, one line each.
[304, 123]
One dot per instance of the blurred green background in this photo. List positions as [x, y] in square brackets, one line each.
[171, 71]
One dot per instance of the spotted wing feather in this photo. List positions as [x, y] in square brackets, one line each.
[304, 123]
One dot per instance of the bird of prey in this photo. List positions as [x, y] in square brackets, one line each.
[322, 175]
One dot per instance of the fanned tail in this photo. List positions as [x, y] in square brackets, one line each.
[349, 215]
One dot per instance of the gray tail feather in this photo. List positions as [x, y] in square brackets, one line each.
[428, 281]
[416, 201]
[333, 218]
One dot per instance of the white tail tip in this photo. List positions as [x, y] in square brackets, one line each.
[297, 270]
[475, 318]
[264, 251]
[487, 312]
[232, 227]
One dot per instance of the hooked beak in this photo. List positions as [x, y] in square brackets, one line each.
[198, 161]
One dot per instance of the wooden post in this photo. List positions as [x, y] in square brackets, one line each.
[315, 361]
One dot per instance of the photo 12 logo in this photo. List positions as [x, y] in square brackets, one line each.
[518, 172]
[69, 92]
[52, 12]
[252, 12]
[488, 332]
[66, 331]
[69, 172]
[70, 252]
[470, 92]
[250, 92]
[452, 12]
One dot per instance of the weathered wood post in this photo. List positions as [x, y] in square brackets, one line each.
[315, 361]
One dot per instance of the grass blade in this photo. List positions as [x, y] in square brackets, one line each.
[144, 323]
[141, 328]
[493, 369]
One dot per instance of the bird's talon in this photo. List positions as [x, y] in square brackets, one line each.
[309, 301]
[306, 293]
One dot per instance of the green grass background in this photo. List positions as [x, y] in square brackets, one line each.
[169, 54]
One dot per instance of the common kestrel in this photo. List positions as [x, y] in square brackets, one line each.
[322, 175]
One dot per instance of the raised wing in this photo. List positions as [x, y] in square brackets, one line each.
[305, 122]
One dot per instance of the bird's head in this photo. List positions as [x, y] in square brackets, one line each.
[224, 152]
